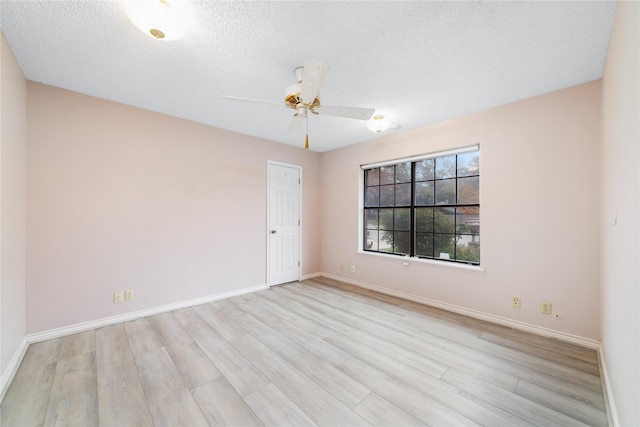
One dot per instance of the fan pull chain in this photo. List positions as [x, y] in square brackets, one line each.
[306, 142]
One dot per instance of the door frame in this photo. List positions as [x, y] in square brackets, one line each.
[268, 224]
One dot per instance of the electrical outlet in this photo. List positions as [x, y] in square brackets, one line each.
[353, 268]
[545, 307]
[341, 266]
[128, 295]
[118, 297]
[515, 302]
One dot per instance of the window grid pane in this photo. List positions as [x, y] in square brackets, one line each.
[387, 193]
[429, 208]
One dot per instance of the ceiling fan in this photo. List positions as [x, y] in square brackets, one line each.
[303, 96]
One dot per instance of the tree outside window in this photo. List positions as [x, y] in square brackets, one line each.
[428, 208]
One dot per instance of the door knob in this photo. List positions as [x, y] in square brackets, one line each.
[273, 231]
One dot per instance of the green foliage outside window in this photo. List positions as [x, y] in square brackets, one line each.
[428, 208]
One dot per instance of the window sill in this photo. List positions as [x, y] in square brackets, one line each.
[405, 260]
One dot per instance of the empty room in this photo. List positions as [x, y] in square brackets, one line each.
[337, 213]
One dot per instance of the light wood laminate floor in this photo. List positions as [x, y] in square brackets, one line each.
[316, 352]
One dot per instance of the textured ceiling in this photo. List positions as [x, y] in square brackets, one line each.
[415, 62]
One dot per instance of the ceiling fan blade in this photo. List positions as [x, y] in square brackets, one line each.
[252, 101]
[346, 112]
[297, 122]
[313, 76]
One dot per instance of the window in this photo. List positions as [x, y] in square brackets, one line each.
[425, 206]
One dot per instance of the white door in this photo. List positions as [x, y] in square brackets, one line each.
[284, 224]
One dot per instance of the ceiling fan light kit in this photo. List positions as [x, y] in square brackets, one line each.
[378, 124]
[303, 96]
[159, 19]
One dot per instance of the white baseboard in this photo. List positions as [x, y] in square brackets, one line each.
[310, 276]
[538, 330]
[10, 373]
[107, 321]
[606, 390]
[12, 369]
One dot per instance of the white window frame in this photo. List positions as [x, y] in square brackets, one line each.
[407, 259]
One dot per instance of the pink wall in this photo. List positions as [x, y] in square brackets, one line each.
[539, 212]
[620, 200]
[13, 142]
[122, 198]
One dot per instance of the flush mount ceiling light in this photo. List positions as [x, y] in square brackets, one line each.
[378, 124]
[160, 19]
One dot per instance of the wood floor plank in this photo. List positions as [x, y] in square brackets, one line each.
[142, 336]
[352, 310]
[112, 346]
[236, 368]
[528, 410]
[462, 323]
[372, 299]
[497, 366]
[552, 375]
[320, 405]
[339, 319]
[388, 302]
[218, 313]
[194, 366]
[582, 411]
[381, 412]
[222, 405]
[74, 395]
[343, 387]
[454, 398]
[27, 399]
[121, 399]
[295, 313]
[424, 354]
[421, 322]
[169, 400]
[348, 302]
[569, 374]
[351, 341]
[387, 341]
[271, 302]
[274, 408]
[551, 345]
[501, 359]
[380, 336]
[77, 344]
[587, 366]
[304, 337]
[406, 398]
